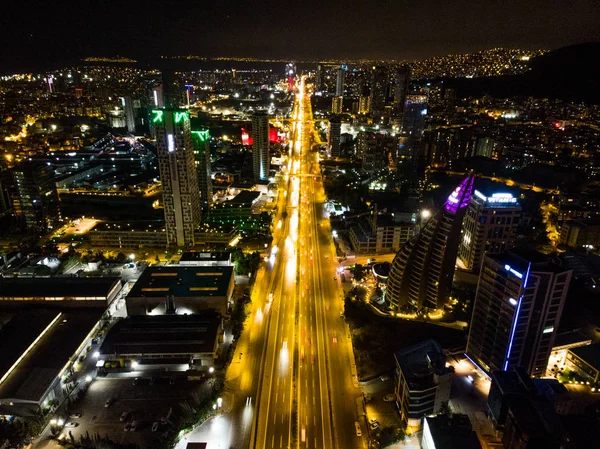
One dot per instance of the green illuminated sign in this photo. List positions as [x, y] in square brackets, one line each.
[157, 116]
[203, 135]
[181, 116]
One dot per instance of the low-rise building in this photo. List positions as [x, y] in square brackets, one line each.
[585, 361]
[181, 290]
[206, 259]
[164, 340]
[60, 291]
[582, 232]
[422, 382]
[380, 235]
[448, 432]
[38, 350]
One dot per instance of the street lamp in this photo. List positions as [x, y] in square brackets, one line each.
[88, 378]
[132, 257]
[219, 402]
[211, 370]
[425, 214]
[134, 364]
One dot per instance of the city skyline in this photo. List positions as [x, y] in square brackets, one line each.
[421, 30]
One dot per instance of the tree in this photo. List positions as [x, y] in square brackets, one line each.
[121, 258]
[359, 272]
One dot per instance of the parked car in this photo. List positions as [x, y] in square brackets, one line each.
[127, 427]
[108, 402]
[124, 416]
[71, 424]
[385, 377]
[155, 426]
[133, 426]
[136, 381]
[76, 416]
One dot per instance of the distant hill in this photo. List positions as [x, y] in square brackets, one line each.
[570, 74]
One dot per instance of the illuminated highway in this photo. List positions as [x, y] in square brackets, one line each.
[289, 384]
[306, 395]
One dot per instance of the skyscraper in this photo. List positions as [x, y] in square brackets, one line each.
[127, 103]
[401, 84]
[422, 272]
[339, 84]
[379, 90]
[519, 301]
[334, 136]
[200, 139]
[319, 77]
[260, 145]
[181, 195]
[364, 104]
[413, 118]
[34, 196]
[490, 226]
[336, 104]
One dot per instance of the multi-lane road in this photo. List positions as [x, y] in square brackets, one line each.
[306, 394]
[290, 383]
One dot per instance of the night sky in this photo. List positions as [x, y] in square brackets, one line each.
[39, 32]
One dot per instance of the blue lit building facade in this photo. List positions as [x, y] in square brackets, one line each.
[519, 301]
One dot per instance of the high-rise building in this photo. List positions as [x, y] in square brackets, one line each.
[401, 85]
[339, 84]
[260, 145]
[413, 118]
[364, 104]
[34, 196]
[336, 104]
[490, 226]
[334, 136]
[181, 194]
[319, 77]
[200, 139]
[127, 103]
[517, 309]
[422, 271]
[379, 90]
[157, 96]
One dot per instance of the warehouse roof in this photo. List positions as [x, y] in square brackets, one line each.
[181, 281]
[163, 334]
[57, 287]
[60, 333]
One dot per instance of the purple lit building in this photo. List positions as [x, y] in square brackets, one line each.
[422, 271]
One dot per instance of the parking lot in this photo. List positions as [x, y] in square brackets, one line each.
[145, 403]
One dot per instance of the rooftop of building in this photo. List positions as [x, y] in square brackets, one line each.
[137, 225]
[204, 256]
[589, 353]
[519, 259]
[421, 361]
[42, 363]
[161, 281]
[57, 287]
[244, 198]
[571, 338]
[516, 381]
[493, 195]
[163, 334]
[452, 432]
[534, 417]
